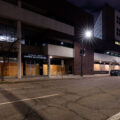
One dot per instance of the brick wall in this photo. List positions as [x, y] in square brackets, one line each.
[69, 63]
[88, 60]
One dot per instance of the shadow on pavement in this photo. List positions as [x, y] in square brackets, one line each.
[28, 112]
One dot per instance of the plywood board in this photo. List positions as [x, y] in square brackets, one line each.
[54, 70]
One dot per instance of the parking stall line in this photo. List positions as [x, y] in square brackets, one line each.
[115, 117]
[28, 99]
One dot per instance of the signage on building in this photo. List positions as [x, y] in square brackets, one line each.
[33, 56]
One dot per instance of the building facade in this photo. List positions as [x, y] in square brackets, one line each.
[43, 38]
[107, 48]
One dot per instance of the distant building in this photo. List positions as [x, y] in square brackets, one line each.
[107, 37]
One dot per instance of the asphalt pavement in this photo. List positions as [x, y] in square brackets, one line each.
[90, 98]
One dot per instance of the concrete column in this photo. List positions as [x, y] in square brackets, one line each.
[110, 67]
[48, 66]
[19, 48]
[19, 44]
[62, 63]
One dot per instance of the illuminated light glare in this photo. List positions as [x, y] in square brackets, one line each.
[7, 38]
[107, 52]
[62, 43]
[117, 43]
[2, 37]
[51, 57]
[88, 34]
[44, 44]
[23, 42]
[1, 61]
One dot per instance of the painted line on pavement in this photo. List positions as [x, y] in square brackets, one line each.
[115, 117]
[28, 99]
[20, 88]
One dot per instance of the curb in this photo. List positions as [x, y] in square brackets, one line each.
[39, 79]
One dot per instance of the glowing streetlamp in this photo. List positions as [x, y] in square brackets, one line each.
[88, 34]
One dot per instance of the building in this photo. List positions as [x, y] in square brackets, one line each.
[107, 46]
[43, 38]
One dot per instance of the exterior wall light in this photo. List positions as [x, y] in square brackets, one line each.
[51, 57]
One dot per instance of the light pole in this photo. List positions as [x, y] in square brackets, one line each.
[49, 63]
[87, 35]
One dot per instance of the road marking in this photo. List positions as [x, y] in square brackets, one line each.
[28, 99]
[20, 88]
[115, 117]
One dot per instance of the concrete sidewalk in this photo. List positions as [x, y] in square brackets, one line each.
[38, 78]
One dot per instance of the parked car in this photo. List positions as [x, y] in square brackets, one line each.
[115, 72]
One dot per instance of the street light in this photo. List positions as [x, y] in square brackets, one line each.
[88, 34]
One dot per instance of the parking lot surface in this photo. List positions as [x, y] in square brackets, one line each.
[90, 98]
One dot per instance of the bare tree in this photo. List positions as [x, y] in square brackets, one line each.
[7, 48]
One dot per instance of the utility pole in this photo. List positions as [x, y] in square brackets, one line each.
[81, 53]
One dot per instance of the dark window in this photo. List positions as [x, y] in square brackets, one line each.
[118, 32]
[118, 20]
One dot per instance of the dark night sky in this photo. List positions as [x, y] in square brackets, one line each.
[94, 6]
